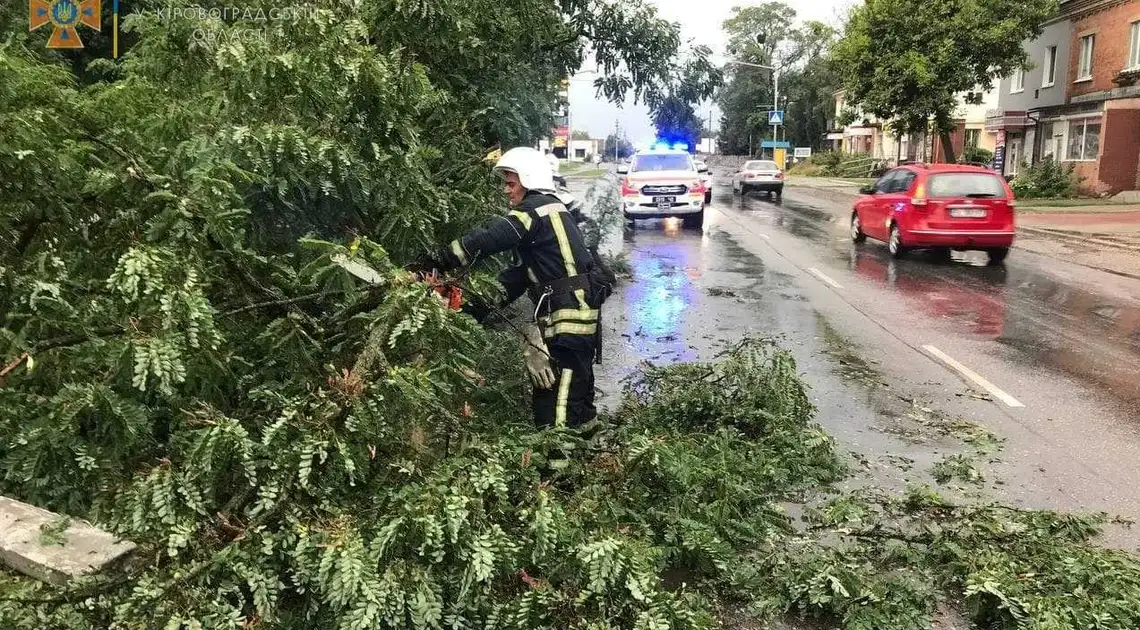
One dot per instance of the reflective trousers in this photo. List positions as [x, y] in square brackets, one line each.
[571, 402]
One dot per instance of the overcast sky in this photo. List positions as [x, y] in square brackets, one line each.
[700, 22]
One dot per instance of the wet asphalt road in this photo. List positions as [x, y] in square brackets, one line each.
[1061, 340]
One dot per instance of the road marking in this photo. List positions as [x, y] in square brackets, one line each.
[822, 276]
[973, 376]
[763, 236]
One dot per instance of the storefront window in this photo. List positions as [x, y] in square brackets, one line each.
[1084, 139]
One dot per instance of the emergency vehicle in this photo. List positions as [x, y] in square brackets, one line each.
[663, 181]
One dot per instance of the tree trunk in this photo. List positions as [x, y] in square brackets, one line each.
[947, 147]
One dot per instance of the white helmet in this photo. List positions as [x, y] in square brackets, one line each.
[531, 166]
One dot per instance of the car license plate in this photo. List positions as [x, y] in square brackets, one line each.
[665, 203]
[968, 213]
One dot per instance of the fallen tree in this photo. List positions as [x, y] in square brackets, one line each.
[186, 363]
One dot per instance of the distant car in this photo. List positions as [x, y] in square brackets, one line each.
[706, 178]
[663, 182]
[762, 175]
[939, 206]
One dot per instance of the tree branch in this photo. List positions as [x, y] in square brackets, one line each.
[280, 302]
[70, 340]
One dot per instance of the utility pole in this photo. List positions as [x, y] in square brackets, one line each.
[617, 139]
[775, 93]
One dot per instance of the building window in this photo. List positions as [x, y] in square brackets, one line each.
[972, 137]
[1049, 75]
[1085, 64]
[1017, 83]
[1084, 139]
[1134, 48]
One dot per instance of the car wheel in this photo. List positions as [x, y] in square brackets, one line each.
[708, 197]
[780, 193]
[695, 220]
[997, 255]
[894, 242]
[857, 235]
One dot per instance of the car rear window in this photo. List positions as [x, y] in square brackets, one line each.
[662, 162]
[760, 166]
[981, 185]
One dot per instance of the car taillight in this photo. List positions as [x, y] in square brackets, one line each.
[919, 196]
[628, 190]
[749, 176]
[779, 176]
[697, 187]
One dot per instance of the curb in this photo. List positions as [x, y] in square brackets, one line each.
[838, 196]
[1078, 237]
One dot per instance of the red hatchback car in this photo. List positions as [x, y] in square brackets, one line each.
[940, 206]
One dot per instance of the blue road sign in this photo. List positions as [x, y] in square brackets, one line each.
[773, 144]
[776, 117]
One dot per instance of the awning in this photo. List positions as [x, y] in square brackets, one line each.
[835, 136]
[998, 120]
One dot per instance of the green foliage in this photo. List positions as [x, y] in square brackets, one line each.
[806, 80]
[693, 80]
[675, 121]
[366, 519]
[1046, 179]
[202, 375]
[907, 60]
[977, 155]
[957, 467]
[621, 145]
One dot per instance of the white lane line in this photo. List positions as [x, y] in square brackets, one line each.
[822, 276]
[973, 376]
[763, 236]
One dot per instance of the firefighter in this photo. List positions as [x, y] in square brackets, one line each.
[555, 267]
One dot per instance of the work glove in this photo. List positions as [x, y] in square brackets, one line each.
[538, 359]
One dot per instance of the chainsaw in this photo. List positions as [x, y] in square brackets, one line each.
[448, 291]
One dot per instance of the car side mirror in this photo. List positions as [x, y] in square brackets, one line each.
[623, 169]
[867, 189]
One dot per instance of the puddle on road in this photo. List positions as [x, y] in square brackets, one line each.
[692, 294]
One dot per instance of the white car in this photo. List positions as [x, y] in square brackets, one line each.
[706, 177]
[762, 175]
[663, 182]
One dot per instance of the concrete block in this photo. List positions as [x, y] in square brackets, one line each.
[1128, 196]
[84, 550]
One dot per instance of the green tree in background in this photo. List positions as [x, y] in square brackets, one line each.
[692, 80]
[620, 144]
[908, 60]
[766, 34]
[580, 134]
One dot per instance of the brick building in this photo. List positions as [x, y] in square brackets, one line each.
[1080, 103]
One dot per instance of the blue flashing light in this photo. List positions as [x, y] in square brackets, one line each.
[681, 146]
[661, 146]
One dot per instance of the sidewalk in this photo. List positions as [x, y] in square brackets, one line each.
[1105, 237]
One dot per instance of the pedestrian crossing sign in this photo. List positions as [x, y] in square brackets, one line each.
[776, 117]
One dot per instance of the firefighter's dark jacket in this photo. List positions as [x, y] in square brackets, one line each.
[549, 247]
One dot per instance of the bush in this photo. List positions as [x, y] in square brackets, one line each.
[1046, 179]
[806, 169]
[826, 159]
[977, 155]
